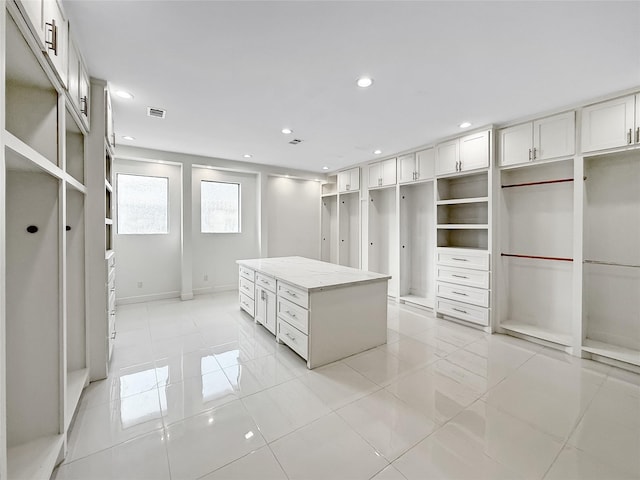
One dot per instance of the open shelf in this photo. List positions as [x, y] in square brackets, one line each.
[329, 229]
[476, 238]
[76, 380]
[382, 238]
[35, 459]
[469, 187]
[614, 352]
[74, 146]
[463, 226]
[458, 201]
[538, 332]
[417, 300]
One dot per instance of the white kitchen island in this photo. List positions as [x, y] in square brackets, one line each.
[322, 311]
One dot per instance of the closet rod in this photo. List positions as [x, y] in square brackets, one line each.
[598, 262]
[537, 257]
[538, 183]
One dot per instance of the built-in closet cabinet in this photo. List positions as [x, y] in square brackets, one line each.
[544, 139]
[416, 166]
[266, 301]
[611, 124]
[382, 174]
[383, 235]
[349, 229]
[329, 221]
[611, 268]
[78, 83]
[470, 152]
[44, 242]
[349, 180]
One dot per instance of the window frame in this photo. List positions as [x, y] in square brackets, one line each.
[239, 185]
[168, 206]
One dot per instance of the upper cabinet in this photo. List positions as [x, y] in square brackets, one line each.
[349, 180]
[544, 139]
[78, 83]
[463, 154]
[109, 131]
[418, 166]
[611, 124]
[382, 174]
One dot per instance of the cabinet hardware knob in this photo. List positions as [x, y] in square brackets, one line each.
[53, 43]
[67, 228]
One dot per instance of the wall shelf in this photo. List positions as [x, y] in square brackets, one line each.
[457, 201]
[538, 332]
[35, 459]
[462, 226]
[614, 352]
[76, 380]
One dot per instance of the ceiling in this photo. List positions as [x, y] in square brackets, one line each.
[231, 75]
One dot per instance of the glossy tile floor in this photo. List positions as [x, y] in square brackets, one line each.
[197, 390]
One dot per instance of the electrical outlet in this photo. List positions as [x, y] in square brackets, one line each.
[139, 284]
[206, 277]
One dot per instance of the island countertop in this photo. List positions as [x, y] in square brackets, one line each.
[311, 274]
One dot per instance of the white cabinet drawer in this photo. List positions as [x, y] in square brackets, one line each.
[294, 314]
[246, 287]
[463, 276]
[294, 338]
[293, 294]
[463, 311]
[247, 304]
[266, 282]
[458, 258]
[247, 273]
[475, 296]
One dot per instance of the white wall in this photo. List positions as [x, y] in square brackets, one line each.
[293, 217]
[153, 260]
[215, 254]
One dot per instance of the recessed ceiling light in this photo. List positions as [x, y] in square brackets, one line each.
[128, 137]
[364, 82]
[287, 131]
[247, 155]
[123, 94]
[465, 125]
[287, 175]
[325, 168]
[377, 152]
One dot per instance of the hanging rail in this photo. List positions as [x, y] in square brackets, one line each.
[537, 257]
[544, 182]
[614, 264]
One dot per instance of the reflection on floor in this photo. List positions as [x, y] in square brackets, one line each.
[197, 390]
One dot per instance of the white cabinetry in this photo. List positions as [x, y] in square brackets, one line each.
[329, 228]
[265, 301]
[416, 166]
[544, 139]
[349, 180]
[470, 152]
[383, 235]
[382, 174]
[349, 230]
[78, 83]
[246, 289]
[611, 124]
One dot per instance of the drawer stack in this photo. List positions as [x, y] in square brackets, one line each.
[111, 298]
[247, 290]
[293, 318]
[462, 288]
[265, 301]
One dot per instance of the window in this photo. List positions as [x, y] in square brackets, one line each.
[219, 207]
[143, 204]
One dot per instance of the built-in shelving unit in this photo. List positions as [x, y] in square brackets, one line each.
[329, 221]
[349, 229]
[383, 235]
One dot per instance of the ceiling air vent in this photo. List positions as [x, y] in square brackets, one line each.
[156, 112]
[295, 141]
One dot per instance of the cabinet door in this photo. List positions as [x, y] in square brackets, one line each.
[375, 175]
[110, 134]
[32, 10]
[515, 144]
[389, 172]
[608, 124]
[354, 179]
[343, 181]
[85, 98]
[638, 118]
[56, 31]
[474, 151]
[261, 306]
[554, 137]
[270, 311]
[447, 156]
[425, 162]
[73, 76]
[406, 168]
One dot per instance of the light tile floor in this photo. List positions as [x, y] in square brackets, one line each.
[198, 390]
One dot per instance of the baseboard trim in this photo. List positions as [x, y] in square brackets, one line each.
[218, 289]
[147, 298]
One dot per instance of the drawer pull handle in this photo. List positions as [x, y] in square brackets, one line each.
[459, 293]
[245, 287]
[290, 337]
[264, 281]
[292, 293]
[460, 259]
[459, 310]
[459, 276]
[291, 313]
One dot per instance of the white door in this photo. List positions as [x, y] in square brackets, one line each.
[406, 168]
[608, 124]
[515, 144]
[389, 172]
[447, 156]
[554, 137]
[474, 151]
[375, 175]
[343, 181]
[425, 162]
